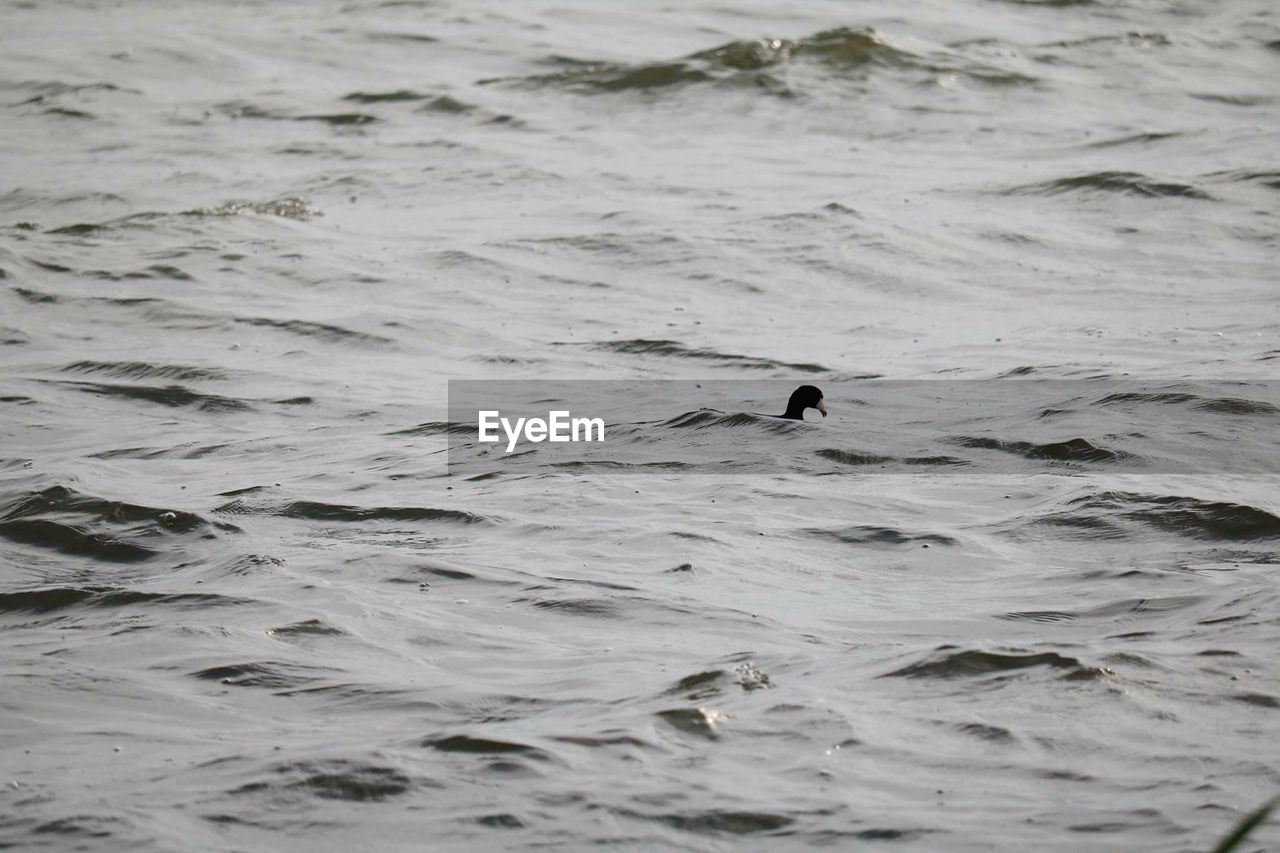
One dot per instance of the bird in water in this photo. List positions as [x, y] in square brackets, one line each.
[804, 397]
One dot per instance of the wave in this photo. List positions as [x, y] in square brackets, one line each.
[288, 207]
[10, 337]
[1123, 610]
[1071, 450]
[859, 458]
[1195, 402]
[1052, 3]
[950, 662]
[176, 396]
[674, 349]
[57, 598]
[271, 675]
[63, 520]
[609, 465]
[71, 540]
[591, 607]
[339, 119]
[1134, 139]
[146, 370]
[332, 779]
[438, 428]
[396, 96]
[318, 511]
[1267, 177]
[481, 746]
[1121, 183]
[711, 419]
[324, 331]
[843, 51]
[417, 38]
[1115, 514]
[867, 534]
[715, 821]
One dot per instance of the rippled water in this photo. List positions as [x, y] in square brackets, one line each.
[246, 605]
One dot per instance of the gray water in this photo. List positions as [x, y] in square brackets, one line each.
[246, 605]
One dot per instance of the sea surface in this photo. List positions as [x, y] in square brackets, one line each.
[247, 605]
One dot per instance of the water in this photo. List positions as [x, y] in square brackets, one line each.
[245, 606]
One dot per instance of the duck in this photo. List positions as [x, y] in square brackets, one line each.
[804, 397]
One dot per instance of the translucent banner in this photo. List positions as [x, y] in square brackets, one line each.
[865, 427]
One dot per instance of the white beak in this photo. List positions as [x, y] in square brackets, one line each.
[822, 407]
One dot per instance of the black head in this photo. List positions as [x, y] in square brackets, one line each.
[805, 397]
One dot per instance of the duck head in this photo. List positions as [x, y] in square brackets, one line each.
[805, 397]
